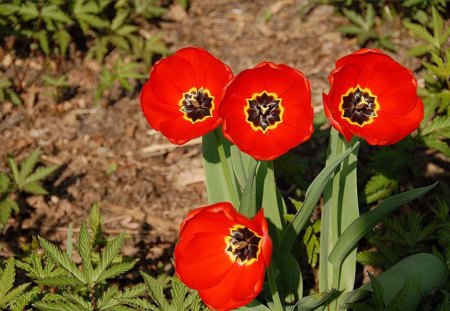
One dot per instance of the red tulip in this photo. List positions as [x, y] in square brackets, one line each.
[267, 110]
[373, 97]
[181, 99]
[223, 255]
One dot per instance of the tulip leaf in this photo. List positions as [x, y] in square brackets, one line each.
[218, 187]
[423, 272]
[312, 302]
[367, 221]
[255, 305]
[312, 197]
[248, 205]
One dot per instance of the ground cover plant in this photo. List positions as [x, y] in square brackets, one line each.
[360, 225]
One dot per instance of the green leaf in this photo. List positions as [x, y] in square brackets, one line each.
[216, 184]
[62, 38]
[59, 281]
[248, 206]
[4, 183]
[7, 278]
[379, 187]
[55, 13]
[118, 21]
[178, 293]
[377, 291]
[139, 303]
[348, 240]
[15, 171]
[155, 289]
[115, 270]
[39, 174]
[422, 271]
[41, 36]
[110, 252]
[435, 143]
[311, 198]
[419, 50]
[84, 247]
[312, 302]
[27, 165]
[95, 221]
[23, 300]
[34, 188]
[61, 258]
[420, 31]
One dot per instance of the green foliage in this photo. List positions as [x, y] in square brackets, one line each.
[96, 28]
[376, 303]
[379, 187]
[182, 298]
[364, 28]
[24, 177]
[7, 93]
[121, 73]
[61, 283]
[401, 235]
[9, 293]
[312, 244]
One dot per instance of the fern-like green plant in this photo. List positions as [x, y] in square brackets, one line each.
[9, 293]
[376, 301]
[181, 297]
[24, 177]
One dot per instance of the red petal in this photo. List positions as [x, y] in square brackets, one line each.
[203, 221]
[222, 296]
[201, 261]
[210, 72]
[154, 111]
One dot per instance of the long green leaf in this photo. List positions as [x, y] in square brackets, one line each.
[216, 184]
[312, 197]
[359, 228]
[15, 171]
[248, 200]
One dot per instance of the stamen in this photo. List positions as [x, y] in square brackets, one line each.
[264, 111]
[243, 245]
[197, 105]
[359, 106]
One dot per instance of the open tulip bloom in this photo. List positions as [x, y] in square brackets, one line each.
[267, 110]
[183, 94]
[223, 255]
[224, 250]
[373, 97]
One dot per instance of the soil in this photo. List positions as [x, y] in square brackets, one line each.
[155, 183]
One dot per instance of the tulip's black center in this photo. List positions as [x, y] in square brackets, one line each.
[243, 245]
[359, 106]
[197, 104]
[264, 111]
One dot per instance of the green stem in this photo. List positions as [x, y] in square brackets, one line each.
[278, 305]
[339, 211]
[226, 169]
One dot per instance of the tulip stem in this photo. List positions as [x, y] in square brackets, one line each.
[226, 169]
[278, 305]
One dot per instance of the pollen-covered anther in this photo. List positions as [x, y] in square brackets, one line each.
[197, 104]
[359, 106]
[243, 245]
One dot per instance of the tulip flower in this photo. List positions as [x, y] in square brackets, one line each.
[267, 110]
[182, 97]
[373, 97]
[223, 255]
